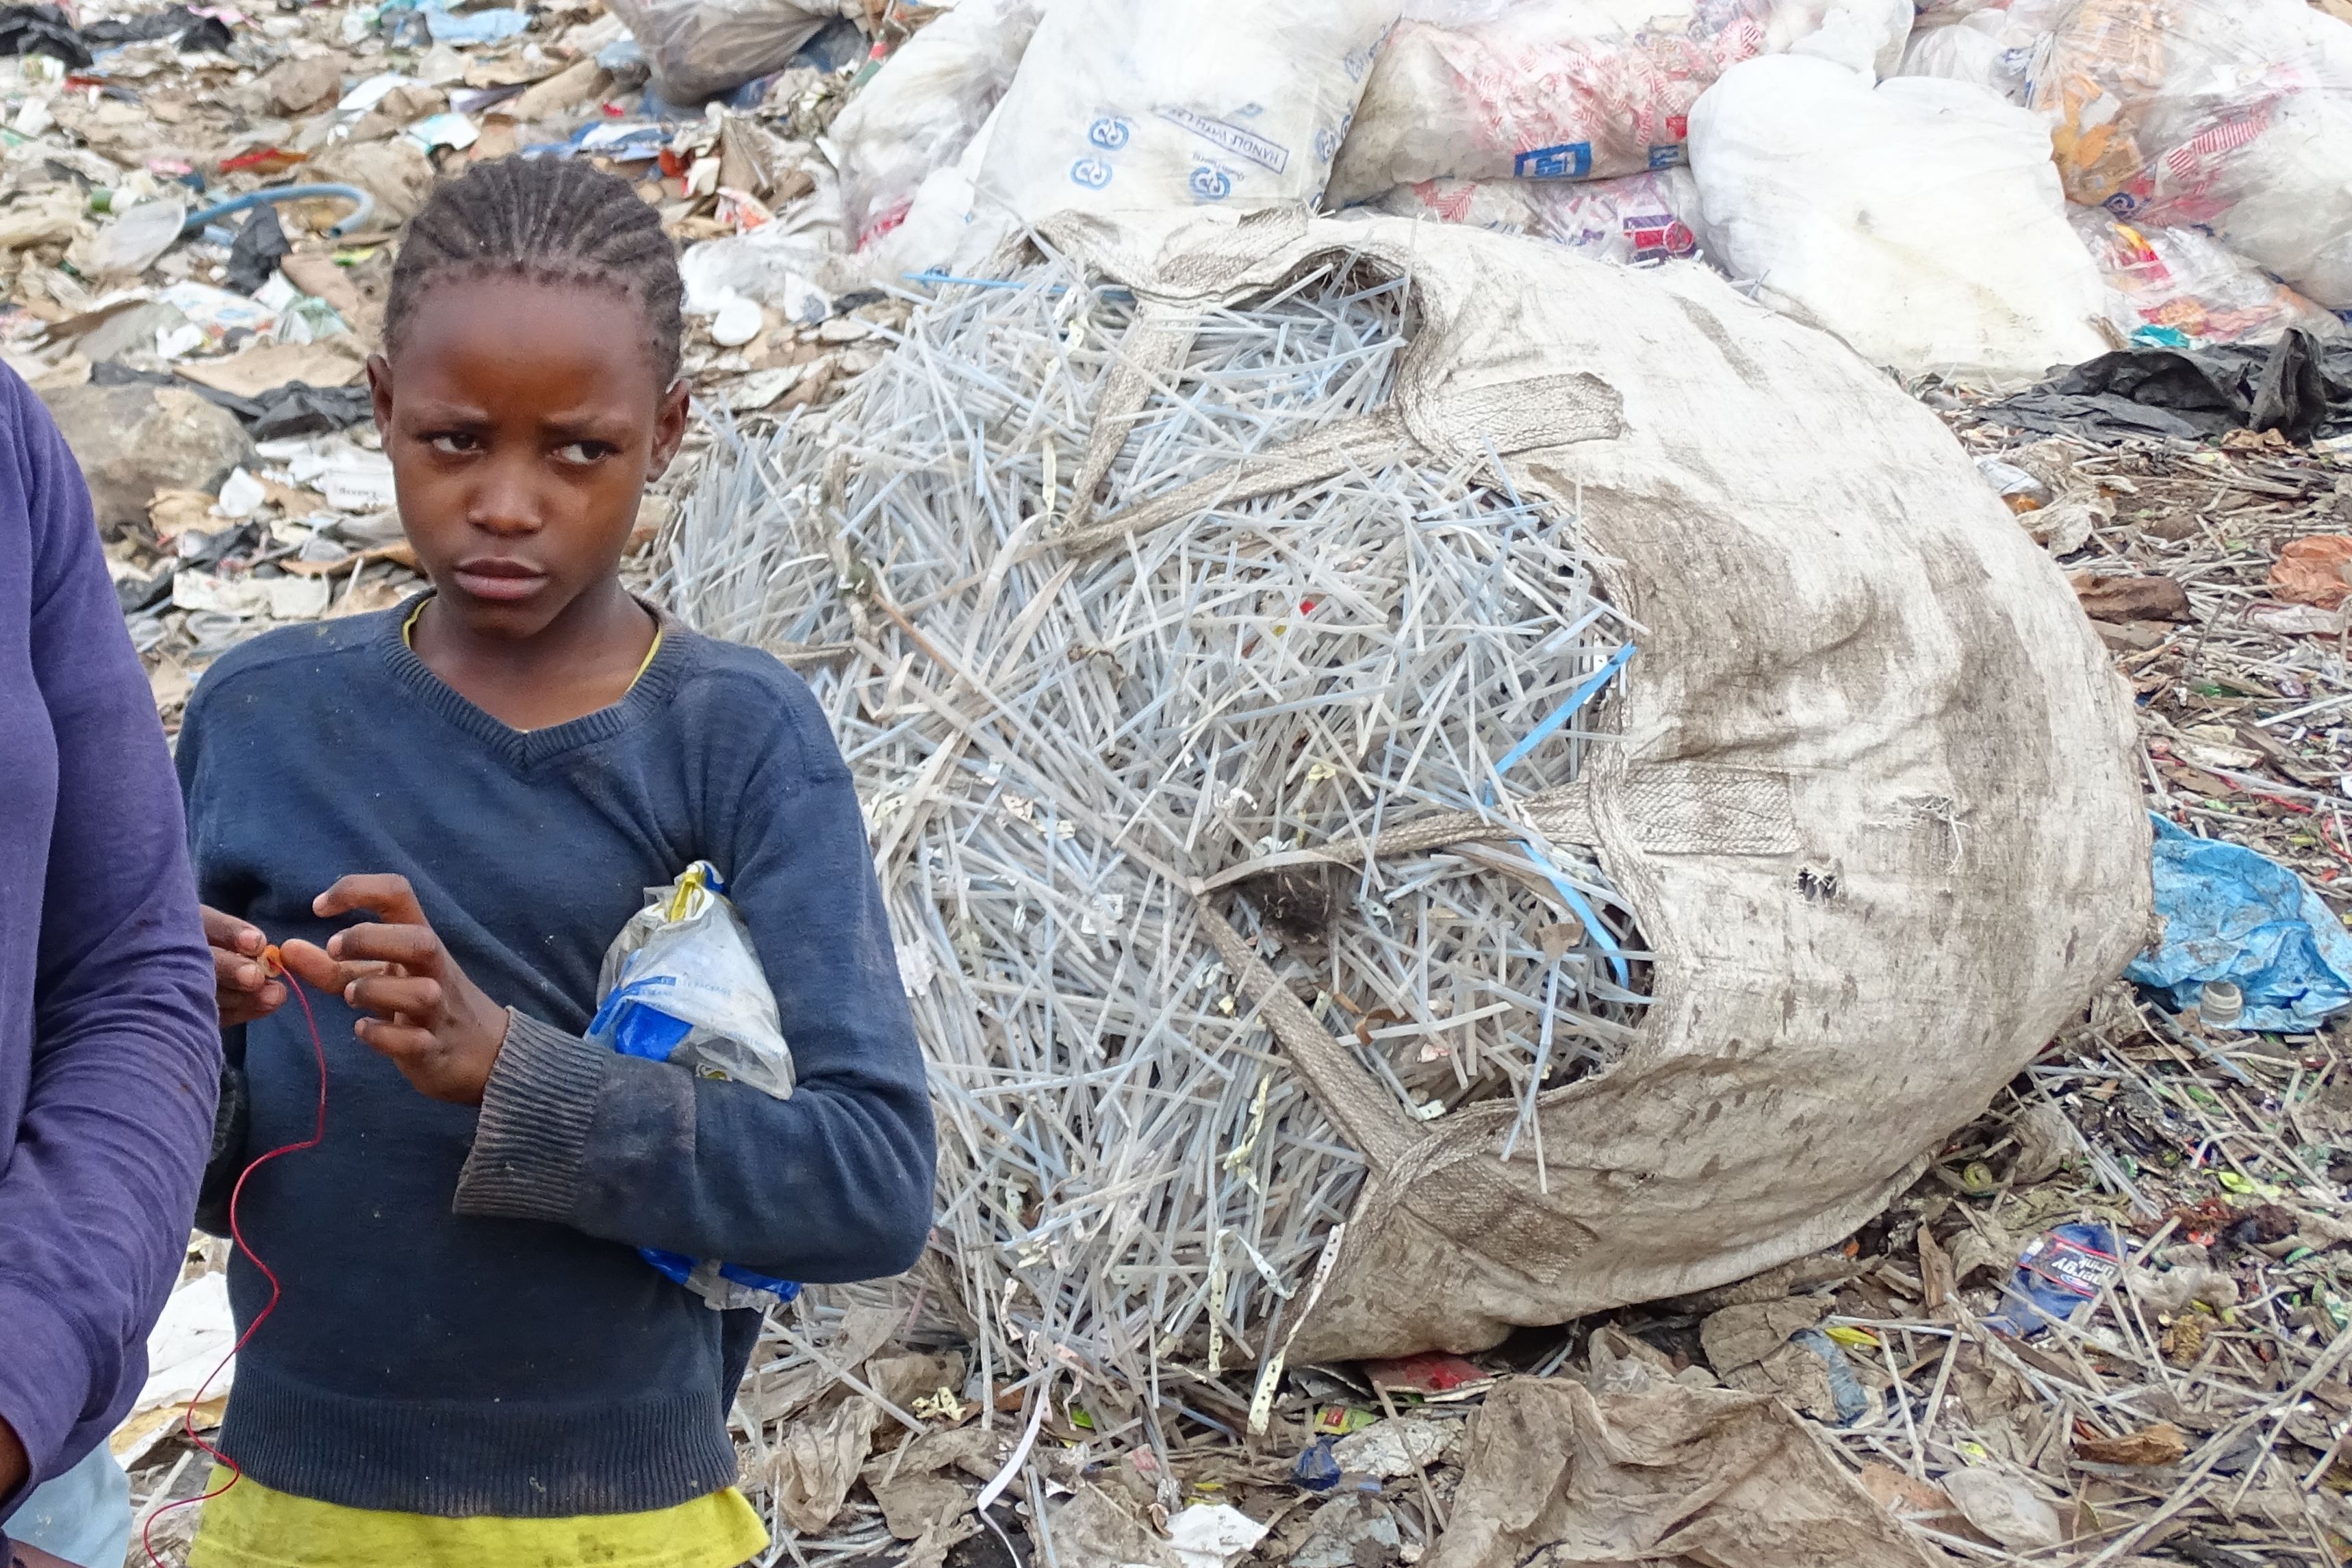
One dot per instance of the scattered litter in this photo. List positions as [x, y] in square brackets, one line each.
[210, 382]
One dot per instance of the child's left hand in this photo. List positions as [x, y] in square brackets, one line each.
[435, 1024]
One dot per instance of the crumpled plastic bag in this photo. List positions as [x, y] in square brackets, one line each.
[2172, 287]
[1658, 1472]
[923, 108]
[2235, 114]
[2232, 914]
[682, 984]
[700, 49]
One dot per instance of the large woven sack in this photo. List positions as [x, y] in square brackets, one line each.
[1874, 802]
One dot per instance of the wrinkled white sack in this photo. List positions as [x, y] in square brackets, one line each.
[1920, 220]
[1126, 106]
[1993, 46]
[947, 228]
[923, 108]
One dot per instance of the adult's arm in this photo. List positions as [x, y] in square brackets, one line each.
[833, 1183]
[98, 1187]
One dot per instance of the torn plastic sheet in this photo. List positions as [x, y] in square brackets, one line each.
[2232, 914]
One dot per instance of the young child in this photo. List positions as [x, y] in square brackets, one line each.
[471, 1364]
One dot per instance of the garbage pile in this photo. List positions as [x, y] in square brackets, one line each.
[201, 213]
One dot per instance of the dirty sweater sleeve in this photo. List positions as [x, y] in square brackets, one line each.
[96, 1191]
[833, 1183]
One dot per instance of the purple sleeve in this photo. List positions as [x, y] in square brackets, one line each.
[96, 1194]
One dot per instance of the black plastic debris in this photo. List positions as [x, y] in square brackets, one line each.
[2298, 386]
[296, 408]
[254, 255]
[41, 30]
[299, 409]
[197, 35]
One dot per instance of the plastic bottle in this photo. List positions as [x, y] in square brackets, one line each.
[2220, 1003]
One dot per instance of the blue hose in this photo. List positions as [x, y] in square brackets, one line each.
[361, 213]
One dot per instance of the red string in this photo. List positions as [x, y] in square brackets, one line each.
[188, 1419]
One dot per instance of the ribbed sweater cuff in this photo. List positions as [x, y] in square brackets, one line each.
[536, 1110]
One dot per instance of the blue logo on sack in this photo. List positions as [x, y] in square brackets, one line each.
[1327, 145]
[1091, 173]
[1569, 160]
[1211, 184]
[1109, 132]
[1667, 155]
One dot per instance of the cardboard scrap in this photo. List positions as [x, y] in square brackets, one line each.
[331, 362]
[1669, 1472]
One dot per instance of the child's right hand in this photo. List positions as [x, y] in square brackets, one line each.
[244, 988]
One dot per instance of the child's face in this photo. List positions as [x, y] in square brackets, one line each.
[522, 420]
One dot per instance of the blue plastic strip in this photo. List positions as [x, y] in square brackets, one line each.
[1558, 717]
[1584, 911]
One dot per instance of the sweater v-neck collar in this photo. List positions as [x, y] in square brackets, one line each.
[527, 748]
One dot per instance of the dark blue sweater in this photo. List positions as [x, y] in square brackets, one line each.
[466, 1326]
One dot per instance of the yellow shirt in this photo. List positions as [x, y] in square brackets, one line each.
[250, 1526]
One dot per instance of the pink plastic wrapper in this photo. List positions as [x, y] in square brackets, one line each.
[1636, 218]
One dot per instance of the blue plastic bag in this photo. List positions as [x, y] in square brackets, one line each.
[2232, 914]
[682, 985]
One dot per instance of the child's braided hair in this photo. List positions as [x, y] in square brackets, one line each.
[548, 220]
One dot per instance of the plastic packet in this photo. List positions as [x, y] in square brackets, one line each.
[681, 984]
[2059, 1270]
